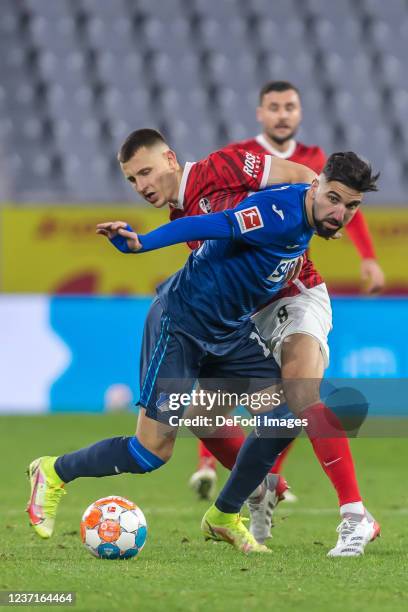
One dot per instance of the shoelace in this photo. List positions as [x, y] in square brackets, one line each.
[254, 501]
[254, 504]
[347, 528]
[53, 496]
[244, 531]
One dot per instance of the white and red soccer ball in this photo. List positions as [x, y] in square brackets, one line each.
[113, 528]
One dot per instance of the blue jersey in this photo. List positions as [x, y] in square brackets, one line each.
[224, 281]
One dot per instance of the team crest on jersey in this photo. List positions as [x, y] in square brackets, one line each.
[162, 404]
[249, 219]
[205, 205]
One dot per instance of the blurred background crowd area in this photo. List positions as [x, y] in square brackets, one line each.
[76, 76]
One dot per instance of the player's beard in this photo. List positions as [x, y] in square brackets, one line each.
[281, 140]
[321, 230]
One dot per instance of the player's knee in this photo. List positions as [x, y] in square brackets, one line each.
[299, 391]
[146, 459]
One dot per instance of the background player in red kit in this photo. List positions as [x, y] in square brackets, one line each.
[280, 114]
[218, 182]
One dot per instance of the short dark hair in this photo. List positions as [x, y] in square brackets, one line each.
[349, 169]
[277, 86]
[145, 137]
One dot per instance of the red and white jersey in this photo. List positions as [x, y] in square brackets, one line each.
[220, 181]
[311, 156]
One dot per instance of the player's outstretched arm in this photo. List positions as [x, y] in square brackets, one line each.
[205, 227]
[285, 171]
[371, 272]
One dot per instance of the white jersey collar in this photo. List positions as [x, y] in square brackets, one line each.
[260, 139]
[180, 198]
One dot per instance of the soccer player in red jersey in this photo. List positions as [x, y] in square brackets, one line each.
[280, 114]
[298, 342]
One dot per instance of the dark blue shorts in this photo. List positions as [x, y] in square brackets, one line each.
[172, 361]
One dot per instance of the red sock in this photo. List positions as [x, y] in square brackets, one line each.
[205, 458]
[225, 447]
[277, 466]
[332, 448]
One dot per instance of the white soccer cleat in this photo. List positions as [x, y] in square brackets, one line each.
[262, 503]
[204, 482]
[355, 532]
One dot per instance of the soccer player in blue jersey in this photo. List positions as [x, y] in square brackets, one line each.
[200, 325]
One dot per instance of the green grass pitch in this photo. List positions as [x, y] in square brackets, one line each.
[177, 570]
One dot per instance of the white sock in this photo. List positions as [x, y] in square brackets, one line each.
[353, 508]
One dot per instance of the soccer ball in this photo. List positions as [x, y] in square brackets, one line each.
[113, 528]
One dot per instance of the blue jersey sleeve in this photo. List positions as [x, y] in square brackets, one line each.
[187, 229]
[202, 227]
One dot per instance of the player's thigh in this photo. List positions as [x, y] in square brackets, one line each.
[302, 370]
[307, 313]
[212, 402]
[168, 370]
[296, 330]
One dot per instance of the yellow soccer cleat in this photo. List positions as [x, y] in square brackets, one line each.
[47, 488]
[220, 526]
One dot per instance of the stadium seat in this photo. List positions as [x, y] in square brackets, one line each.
[285, 39]
[58, 36]
[337, 12]
[281, 11]
[223, 11]
[166, 36]
[389, 38]
[107, 9]
[166, 70]
[393, 10]
[156, 8]
[53, 11]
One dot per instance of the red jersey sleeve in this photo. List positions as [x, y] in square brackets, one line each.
[359, 233]
[239, 170]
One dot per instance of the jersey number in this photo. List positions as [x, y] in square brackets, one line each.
[282, 314]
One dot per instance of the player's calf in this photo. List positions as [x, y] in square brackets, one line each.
[110, 457]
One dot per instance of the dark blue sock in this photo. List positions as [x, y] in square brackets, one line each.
[107, 458]
[255, 459]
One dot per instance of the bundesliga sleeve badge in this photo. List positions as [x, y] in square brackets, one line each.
[249, 219]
